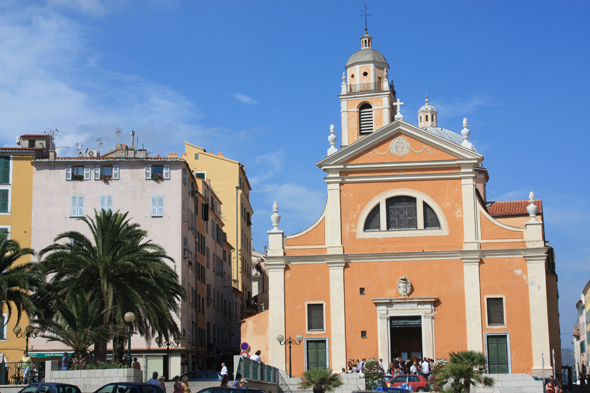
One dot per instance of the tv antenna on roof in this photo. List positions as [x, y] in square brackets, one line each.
[117, 135]
[99, 140]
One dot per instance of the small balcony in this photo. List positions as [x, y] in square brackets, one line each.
[366, 87]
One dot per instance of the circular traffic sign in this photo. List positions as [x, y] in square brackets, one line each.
[245, 354]
[244, 346]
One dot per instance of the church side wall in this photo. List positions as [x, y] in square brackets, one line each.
[491, 231]
[446, 193]
[316, 236]
[507, 278]
[442, 279]
[305, 283]
[554, 331]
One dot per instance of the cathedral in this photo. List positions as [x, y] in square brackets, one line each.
[409, 258]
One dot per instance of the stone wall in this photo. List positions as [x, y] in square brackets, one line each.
[512, 383]
[90, 380]
[351, 382]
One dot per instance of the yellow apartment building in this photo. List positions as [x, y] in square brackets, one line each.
[228, 179]
[16, 201]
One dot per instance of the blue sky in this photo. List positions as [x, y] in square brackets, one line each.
[259, 81]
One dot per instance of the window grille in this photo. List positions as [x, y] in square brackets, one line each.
[495, 311]
[315, 317]
[366, 119]
[401, 213]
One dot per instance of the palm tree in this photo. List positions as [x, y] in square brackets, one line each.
[320, 380]
[466, 368]
[16, 279]
[77, 324]
[119, 266]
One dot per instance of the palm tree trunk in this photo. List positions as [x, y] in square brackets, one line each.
[100, 349]
[467, 387]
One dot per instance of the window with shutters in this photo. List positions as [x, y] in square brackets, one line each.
[5, 229]
[106, 202]
[315, 317]
[5, 162]
[201, 175]
[391, 214]
[495, 311]
[77, 206]
[5, 200]
[157, 205]
[366, 119]
[77, 173]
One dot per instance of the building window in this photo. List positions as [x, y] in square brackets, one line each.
[196, 156]
[495, 311]
[366, 119]
[363, 334]
[401, 213]
[373, 222]
[315, 317]
[106, 202]
[362, 291]
[77, 206]
[78, 173]
[430, 218]
[5, 228]
[157, 205]
[201, 175]
[5, 170]
[5, 200]
[157, 172]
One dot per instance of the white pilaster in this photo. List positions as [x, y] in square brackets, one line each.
[386, 111]
[383, 334]
[473, 304]
[539, 313]
[469, 208]
[333, 223]
[276, 311]
[344, 120]
[337, 320]
[428, 336]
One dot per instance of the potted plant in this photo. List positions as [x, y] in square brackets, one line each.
[320, 380]
[157, 176]
[106, 178]
[77, 177]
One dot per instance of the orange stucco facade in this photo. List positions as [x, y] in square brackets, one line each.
[406, 260]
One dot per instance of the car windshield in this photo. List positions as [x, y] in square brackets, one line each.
[68, 389]
[150, 389]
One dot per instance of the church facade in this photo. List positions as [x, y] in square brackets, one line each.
[408, 258]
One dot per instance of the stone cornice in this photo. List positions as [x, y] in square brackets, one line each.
[401, 165]
[529, 253]
[420, 299]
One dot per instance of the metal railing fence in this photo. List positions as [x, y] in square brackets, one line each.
[13, 373]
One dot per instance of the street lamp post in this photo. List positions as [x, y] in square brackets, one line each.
[29, 331]
[129, 318]
[160, 341]
[297, 341]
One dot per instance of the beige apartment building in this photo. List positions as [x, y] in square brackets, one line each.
[228, 178]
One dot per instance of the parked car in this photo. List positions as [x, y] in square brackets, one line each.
[202, 376]
[127, 387]
[416, 381]
[42, 387]
[218, 389]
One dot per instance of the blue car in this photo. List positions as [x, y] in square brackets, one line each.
[128, 387]
[42, 387]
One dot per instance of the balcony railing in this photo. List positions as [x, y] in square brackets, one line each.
[362, 87]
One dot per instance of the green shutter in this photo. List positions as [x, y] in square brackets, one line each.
[2, 328]
[4, 201]
[316, 354]
[4, 170]
[322, 354]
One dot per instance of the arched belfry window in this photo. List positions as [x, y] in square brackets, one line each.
[402, 212]
[366, 119]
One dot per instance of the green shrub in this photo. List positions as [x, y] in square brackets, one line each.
[99, 366]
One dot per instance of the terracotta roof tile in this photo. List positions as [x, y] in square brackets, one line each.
[34, 135]
[512, 208]
[20, 148]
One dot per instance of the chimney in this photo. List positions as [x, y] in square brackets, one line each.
[132, 139]
[173, 155]
[184, 156]
[220, 154]
[142, 153]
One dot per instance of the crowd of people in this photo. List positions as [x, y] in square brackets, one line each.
[413, 365]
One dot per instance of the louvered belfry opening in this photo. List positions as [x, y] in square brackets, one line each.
[366, 119]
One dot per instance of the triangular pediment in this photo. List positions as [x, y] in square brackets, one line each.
[399, 142]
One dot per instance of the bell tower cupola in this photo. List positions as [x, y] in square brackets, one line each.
[427, 115]
[367, 96]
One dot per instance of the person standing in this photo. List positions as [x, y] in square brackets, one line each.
[223, 370]
[256, 356]
[236, 383]
[425, 368]
[224, 381]
[185, 387]
[162, 384]
[26, 365]
[177, 385]
[154, 379]
[136, 364]
[65, 362]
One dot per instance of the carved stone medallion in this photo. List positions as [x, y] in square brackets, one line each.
[404, 286]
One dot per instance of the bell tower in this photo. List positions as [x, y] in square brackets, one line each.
[367, 96]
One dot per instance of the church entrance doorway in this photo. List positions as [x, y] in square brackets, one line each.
[406, 337]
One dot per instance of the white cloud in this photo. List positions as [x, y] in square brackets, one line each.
[461, 107]
[244, 99]
[89, 7]
[50, 77]
[268, 165]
